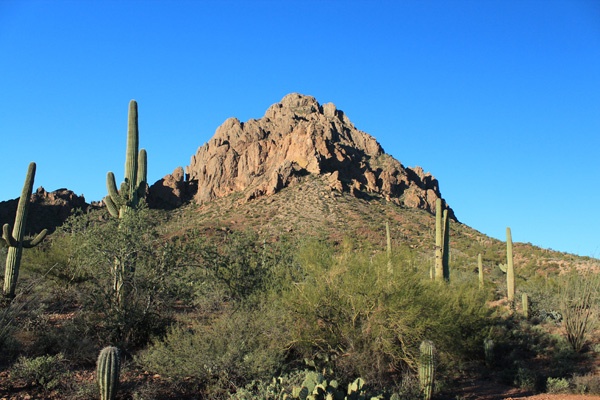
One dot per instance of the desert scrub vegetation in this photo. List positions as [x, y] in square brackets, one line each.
[337, 310]
[219, 313]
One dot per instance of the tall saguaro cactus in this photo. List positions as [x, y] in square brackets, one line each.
[442, 232]
[133, 187]
[480, 269]
[15, 239]
[446, 244]
[510, 269]
[439, 268]
[388, 238]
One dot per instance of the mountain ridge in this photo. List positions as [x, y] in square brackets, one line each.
[296, 137]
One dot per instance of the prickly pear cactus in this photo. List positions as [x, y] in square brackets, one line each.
[427, 369]
[108, 369]
[15, 240]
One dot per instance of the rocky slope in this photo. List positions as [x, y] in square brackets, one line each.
[295, 138]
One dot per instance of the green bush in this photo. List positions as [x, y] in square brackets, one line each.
[369, 322]
[48, 372]
[586, 384]
[131, 278]
[579, 306]
[557, 385]
[236, 347]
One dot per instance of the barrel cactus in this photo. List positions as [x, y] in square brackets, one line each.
[108, 369]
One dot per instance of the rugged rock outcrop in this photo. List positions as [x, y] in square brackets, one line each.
[296, 137]
[48, 210]
[169, 192]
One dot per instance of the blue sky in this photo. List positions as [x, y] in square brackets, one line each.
[499, 100]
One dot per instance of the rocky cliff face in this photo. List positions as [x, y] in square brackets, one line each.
[297, 137]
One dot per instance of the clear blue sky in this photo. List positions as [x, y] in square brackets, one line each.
[499, 100]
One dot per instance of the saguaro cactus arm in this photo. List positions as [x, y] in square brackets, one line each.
[8, 237]
[111, 207]
[113, 192]
[28, 244]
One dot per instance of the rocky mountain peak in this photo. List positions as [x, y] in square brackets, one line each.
[297, 137]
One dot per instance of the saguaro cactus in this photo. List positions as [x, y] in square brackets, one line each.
[480, 269]
[525, 303]
[510, 270]
[15, 239]
[446, 248]
[133, 187]
[488, 351]
[439, 267]
[108, 369]
[442, 232]
[427, 369]
[389, 246]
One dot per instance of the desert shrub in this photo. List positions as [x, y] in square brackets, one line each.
[239, 264]
[15, 315]
[48, 372]
[544, 298]
[579, 306]
[369, 321]
[131, 278]
[557, 385]
[232, 348]
[67, 339]
[586, 384]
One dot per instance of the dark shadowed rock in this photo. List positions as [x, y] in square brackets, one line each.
[168, 192]
[48, 210]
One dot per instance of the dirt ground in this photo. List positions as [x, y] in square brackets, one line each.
[487, 390]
